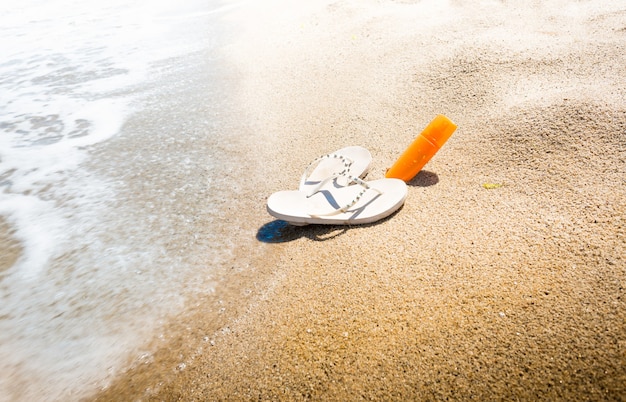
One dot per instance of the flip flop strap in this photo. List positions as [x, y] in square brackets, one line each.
[356, 199]
[347, 162]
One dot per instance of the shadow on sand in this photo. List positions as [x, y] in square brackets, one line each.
[424, 179]
[279, 231]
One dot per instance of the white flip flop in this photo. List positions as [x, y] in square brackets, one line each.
[340, 165]
[332, 204]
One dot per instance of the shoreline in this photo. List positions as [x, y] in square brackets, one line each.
[466, 292]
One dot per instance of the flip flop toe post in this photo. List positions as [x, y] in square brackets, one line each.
[341, 164]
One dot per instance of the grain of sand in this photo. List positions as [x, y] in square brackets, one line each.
[510, 291]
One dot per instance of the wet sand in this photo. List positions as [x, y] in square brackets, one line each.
[11, 248]
[502, 278]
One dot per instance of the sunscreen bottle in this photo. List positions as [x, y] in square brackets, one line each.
[422, 149]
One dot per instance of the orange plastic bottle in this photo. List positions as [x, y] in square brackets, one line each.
[422, 149]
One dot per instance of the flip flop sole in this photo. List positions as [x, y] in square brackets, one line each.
[384, 197]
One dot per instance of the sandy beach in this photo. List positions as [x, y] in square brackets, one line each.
[503, 277]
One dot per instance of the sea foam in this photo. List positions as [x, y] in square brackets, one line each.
[78, 296]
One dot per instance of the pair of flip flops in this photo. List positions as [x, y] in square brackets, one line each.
[332, 192]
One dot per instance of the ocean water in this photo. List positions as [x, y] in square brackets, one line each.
[94, 272]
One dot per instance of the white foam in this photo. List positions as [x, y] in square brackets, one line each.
[40, 240]
[78, 298]
[65, 61]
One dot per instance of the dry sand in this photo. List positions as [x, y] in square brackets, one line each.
[509, 293]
